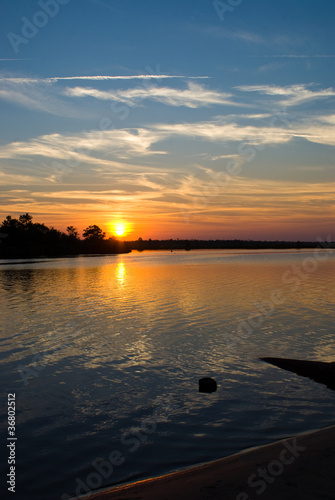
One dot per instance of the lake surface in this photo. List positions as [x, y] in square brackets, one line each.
[104, 355]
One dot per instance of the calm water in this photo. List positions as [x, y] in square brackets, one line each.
[104, 355]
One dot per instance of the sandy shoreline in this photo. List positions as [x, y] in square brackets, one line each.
[301, 467]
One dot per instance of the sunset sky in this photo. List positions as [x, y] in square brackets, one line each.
[178, 119]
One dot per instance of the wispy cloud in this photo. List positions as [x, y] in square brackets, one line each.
[105, 149]
[92, 148]
[39, 101]
[17, 178]
[242, 35]
[125, 77]
[250, 37]
[298, 56]
[194, 96]
[272, 66]
[320, 130]
[37, 96]
[219, 131]
[43, 94]
[54, 79]
[291, 95]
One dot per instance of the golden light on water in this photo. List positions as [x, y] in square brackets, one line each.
[120, 273]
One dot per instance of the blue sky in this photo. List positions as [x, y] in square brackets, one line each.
[198, 119]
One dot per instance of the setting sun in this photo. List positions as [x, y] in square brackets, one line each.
[120, 228]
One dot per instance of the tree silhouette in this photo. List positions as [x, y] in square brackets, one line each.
[21, 238]
[72, 232]
[25, 219]
[10, 224]
[93, 233]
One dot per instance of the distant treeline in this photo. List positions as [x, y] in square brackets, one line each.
[22, 238]
[193, 244]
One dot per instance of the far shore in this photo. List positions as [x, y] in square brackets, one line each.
[157, 246]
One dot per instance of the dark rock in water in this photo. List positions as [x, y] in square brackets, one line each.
[318, 371]
[207, 384]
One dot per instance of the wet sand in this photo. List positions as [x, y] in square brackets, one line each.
[296, 468]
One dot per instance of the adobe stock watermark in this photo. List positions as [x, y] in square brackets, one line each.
[295, 276]
[264, 476]
[132, 440]
[30, 28]
[222, 8]
[38, 363]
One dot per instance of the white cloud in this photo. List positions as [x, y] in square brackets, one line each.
[18, 179]
[43, 94]
[124, 77]
[250, 37]
[93, 147]
[219, 32]
[320, 130]
[106, 148]
[54, 79]
[273, 66]
[294, 94]
[226, 132]
[299, 56]
[327, 119]
[37, 97]
[194, 96]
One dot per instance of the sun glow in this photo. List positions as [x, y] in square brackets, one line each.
[120, 228]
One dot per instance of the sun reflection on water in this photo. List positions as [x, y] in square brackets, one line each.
[120, 273]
